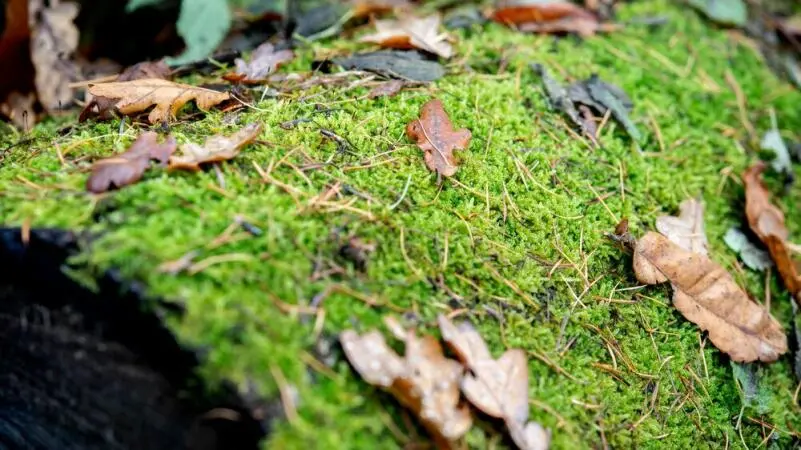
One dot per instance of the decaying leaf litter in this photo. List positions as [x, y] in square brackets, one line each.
[434, 133]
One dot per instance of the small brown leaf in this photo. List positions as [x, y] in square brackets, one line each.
[411, 32]
[387, 89]
[424, 380]
[128, 167]
[101, 108]
[686, 230]
[435, 135]
[136, 96]
[216, 148]
[499, 387]
[366, 8]
[708, 296]
[263, 62]
[516, 12]
[582, 26]
[767, 221]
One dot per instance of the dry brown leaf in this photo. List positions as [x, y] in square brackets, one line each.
[216, 148]
[54, 39]
[424, 380]
[101, 108]
[136, 96]
[410, 32]
[263, 61]
[387, 89]
[581, 26]
[686, 230]
[435, 135]
[708, 296]
[499, 387]
[365, 8]
[516, 12]
[128, 167]
[767, 221]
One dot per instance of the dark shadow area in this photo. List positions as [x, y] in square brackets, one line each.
[99, 370]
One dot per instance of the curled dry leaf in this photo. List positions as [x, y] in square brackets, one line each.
[499, 387]
[767, 221]
[424, 380]
[686, 230]
[410, 32]
[136, 96]
[54, 39]
[435, 135]
[264, 60]
[128, 167]
[216, 148]
[708, 296]
[547, 17]
[101, 108]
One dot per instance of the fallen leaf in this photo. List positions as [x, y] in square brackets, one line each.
[724, 12]
[387, 89]
[101, 108]
[516, 12]
[410, 32]
[462, 17]
[136, 96]
[773, 142]
[423, 381]
[754, 394]
[54, 39]
[686, 230]
[215, 149]
[499, 388]
[263, 61]
[128, 167]
[366, 8]
[612, 101]
[708, 296]
[752, 256]
[435, 135]
[19, 108]
[557, 95]
[582, 26]
[203, 25]
[408, 65]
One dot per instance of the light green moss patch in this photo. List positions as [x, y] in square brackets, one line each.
[517, 234]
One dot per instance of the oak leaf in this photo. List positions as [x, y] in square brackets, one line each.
[424, 380]
[263, 61]
[215, 149]
[136, 96]
[708, 296]
[435, 135]
[410, 32]
[767, 221]
[686, 230]
[102, 107]
[128, 167]
[499, 387]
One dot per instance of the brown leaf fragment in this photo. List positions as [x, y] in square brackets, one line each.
[365, 8]
[768, 223]
[409, 32]
[387, 89]
[215, 149]
[686, 230]
[101, 108]
[264, 60]
[54, 39]
[435, 135]
[424, 380]
[128, 167]
[499, 388]
[516, 12]
[582, 26]
[136, 96]
[709, 297]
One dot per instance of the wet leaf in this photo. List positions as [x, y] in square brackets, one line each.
[708, 296]
[424, 381]
[773, 142]
[435, 135]
[753, 257]
[387, 89]
[215, 149]
[611, 100]
[464, 17]
[54, 39]
[499, 388]
[410, 32]
[516, 12]
[686, 230]
[263, 62]
[767, 221]
[128, 167]
[753, 392]
[394, 64]
[136, 96]
[724, 12]
[558, 96]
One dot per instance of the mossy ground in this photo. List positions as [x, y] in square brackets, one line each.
[514, 240]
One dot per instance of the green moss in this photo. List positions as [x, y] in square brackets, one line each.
[519, 232]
